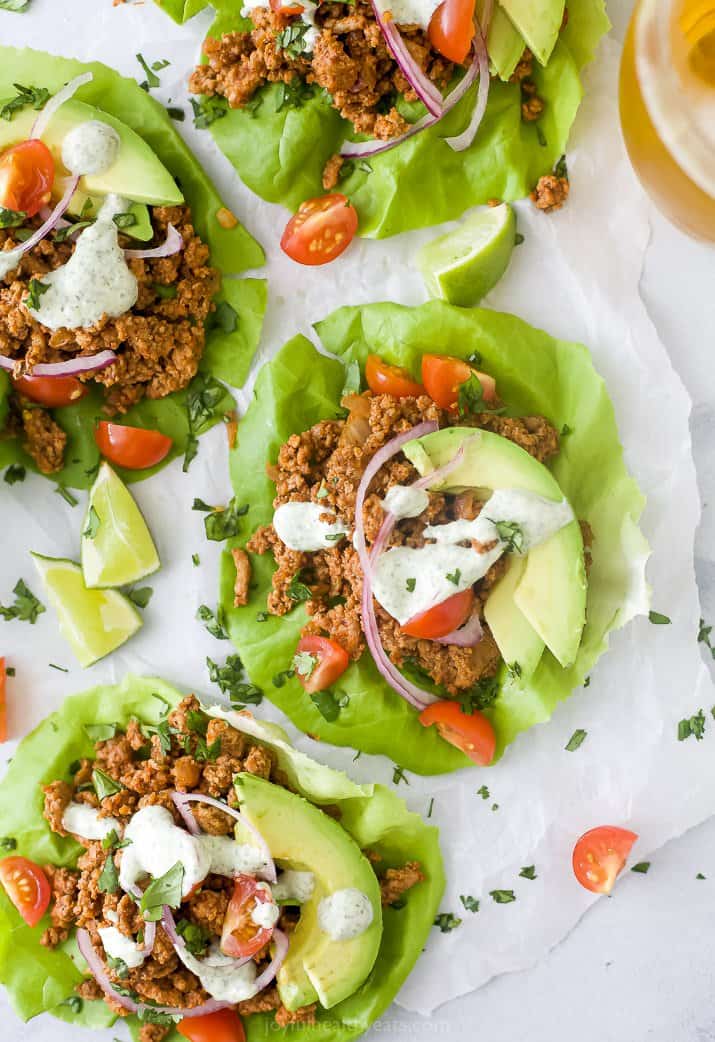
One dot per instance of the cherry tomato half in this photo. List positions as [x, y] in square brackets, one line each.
[390, 379]
[27, 887]
[599, 856]
[470, 732]
[320, 230]
[224, 1025]
[51, 391]
[289, 10]
[330, 662]
[443, 618]
[3, 701]
[451, 29]
[443, 375]
[131, 447]
[242, 936]
[27, 172]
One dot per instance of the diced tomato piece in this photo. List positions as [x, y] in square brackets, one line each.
[27, 172]
[289, 10]
[451, 29]
[131, 447]
[330, 661]
[242, 936]
[27, 887]
[51, 391]
[599, 856]
[224, 1025]
[443, 618]
[390, 379]
[470, 732]
[320, 230]
[443, 375]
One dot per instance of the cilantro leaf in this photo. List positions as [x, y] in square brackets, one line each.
[108, 882]
[36, 290]
[528, 872]
[166, 890]
[26, 607]
[502, 897]
[510, 533]
[230, 679]
[208, 110]
[657, 619]
[576, 740]
[214, 623]
[447, 922]
[328, 705]
[470, 903]
[26, 97]
[694, 725]
[104, 785]
[223, 524]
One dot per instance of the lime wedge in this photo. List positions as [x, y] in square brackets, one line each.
[94, 622]
[116, 545]
[462, 266]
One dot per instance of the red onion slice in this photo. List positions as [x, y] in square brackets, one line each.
[167, 921]
[56, 101]
[462, 141]
[280, 942]
[149, 938]
[428, 93]
[8, 364]
[374, 147]
[19, 251]
[467, 636]
[269, 872]
[182, 805]
[171, 245]
[76, 366]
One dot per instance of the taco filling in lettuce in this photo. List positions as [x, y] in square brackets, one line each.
[217, 878]
[390, 101]
[430, 564]
[107, 286]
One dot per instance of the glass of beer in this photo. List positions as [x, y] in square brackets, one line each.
[667, 102]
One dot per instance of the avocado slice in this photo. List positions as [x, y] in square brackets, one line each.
[539, 22]
[516, 638]
[301, 836]
[551, 592]
[138, 174]
[504, 43]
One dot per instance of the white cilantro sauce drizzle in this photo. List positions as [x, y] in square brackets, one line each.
[220, 976]
[95, 281]
[405, 501]
[117, 946]
[410, 12]
[84, 821]
[299, 526]
[408, 581]
[295, 886]
[90, 148]
[345, 914]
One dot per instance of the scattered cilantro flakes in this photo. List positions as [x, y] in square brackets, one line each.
[261, 616]
[483, 792]
[483, 694]
[353, 381]
[657, 619]
[225, 523]
[587, 682]
[470, 397]
[61, 669]
[9, 671]
[195, 560]
[26, 606]
[349, 167]
[700, 876]
[147, 1015]
[14, 5]
[398, 775]
[26, 97]
[454, 576]
[431, 805]
[513, 669]
[510, 533]
[518, 239]
[528, 872]
[66, 495]
[124, 220]
[566, 430]
[694, 725]
[166, 890]
[230, 679]
[447, 921]
[14, 473]
[118, 966]
[11, 218]
[108, 882]
[176, 113]
[191, 451]
[293, 94]
[471, 904]
[280, 678]
[165, 706]
[214, 622]
[495, 806]
[298, 591]
[93, 523]
[208, 110]
[8, 843]
[196, 938]
[293, 40]
[112, 841]
[642, 867]
[152, 80]
[541, 136]
[141, 596]
[162, 63]
[561, 168]
[328, 704]
[502, 897]
[36, 290]
[576, 740]
[203, 399]
[104, 784]
[410, 584]
[703, 635]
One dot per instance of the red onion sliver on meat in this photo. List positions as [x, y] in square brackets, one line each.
[56, 101]
[462, 141]
[467, 636]
[8, 364]
[171, 245]
[47, 226]
[182, 805]
[147, 946]
[76, 366]
[428, 92]
[280, 942]
[98, 971]
[269, 872]
[167, 921]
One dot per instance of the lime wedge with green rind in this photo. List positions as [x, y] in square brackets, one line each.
[463, 265]
[94, 622]
[117, 547]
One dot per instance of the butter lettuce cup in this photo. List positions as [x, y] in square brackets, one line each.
[120, 312]
[440, 532]
[183, 867]
[413, 110]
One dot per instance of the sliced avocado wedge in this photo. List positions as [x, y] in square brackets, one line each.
[551, 592]
[138, 174]
[539, 22]
[504, 43]
[516, 638]
[301, 836]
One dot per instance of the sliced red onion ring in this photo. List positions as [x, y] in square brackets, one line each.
[353, 149]
[8, 364]
[280, 942]
[167, 921]
[16, 254]
[171, 245]
[428, 93]
[56, 101]
[467, 636]
[182, 805]
[416, 696]
[149, 938]
[462, 141]
[269, 872]
[76, 366]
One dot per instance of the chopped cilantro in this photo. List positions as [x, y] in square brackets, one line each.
[36, 290]
[26, 97]
[141, 596]
[195, 560]
[14, 473]
[280, 678]
[93, 523]
[261, 616]
[176, 113]
[694, 725]
[214, 623]
[165, 706]
[118, 966]
[229, 678]
[225, 317]
[470, 398]
[196, 938]
[108, 882]
[502, 897]
[513, 669]
[166, 890]
[104, 785]
[541, 136]
[447, 922]
[8, 843]
[641, 867]
[298, 591]
[328, 704]
[484, 792]
[152, 80]
[223, 524]
[657, 619]
[528, 872]
[431, 805]
[74, 1002]
[124, 220]
[292, 94]
[454, 576]
[26, 606]
[700, 876]
[11, 218]
[165, 292]
[561, 168]
[470, 903]
[410, 584]
[293, 40]
[66, 495]
[518, 239]
[483, 694]
[398, 775]
[510, 533]
[208, 110]
[576, 740]
[703, 633]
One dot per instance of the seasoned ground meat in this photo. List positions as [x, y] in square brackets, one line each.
[159, 343]
[550, 193]
[242, 581]
[325, 464]
[398, 881]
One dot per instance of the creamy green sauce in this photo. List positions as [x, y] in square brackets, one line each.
[410, 12]
[299, 526]
[84, 821]
[294, 886]
[90, 148]
[117, 946]
[220, 976]
[345, 914]
[405, 501]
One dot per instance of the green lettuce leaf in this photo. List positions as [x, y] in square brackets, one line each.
[228, 356]
[535, 374]
[182, 10]
[39, 980]
[280, 155]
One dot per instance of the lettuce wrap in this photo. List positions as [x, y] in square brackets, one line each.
[535, 374]
[39, 980]
[281, 154]
[227, 355]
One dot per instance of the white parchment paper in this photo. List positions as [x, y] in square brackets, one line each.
[576, 275]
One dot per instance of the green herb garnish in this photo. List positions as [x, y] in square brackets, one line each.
[470, 903]
[447, 922]
[93, 523]
[26, 606]
[214, 623]
[36, 290]
[26, 97]
[576, 740]
[502, 897]
[166, 890]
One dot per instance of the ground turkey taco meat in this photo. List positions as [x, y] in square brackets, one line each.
[159, 342]
[324, 465]
[188, 752]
